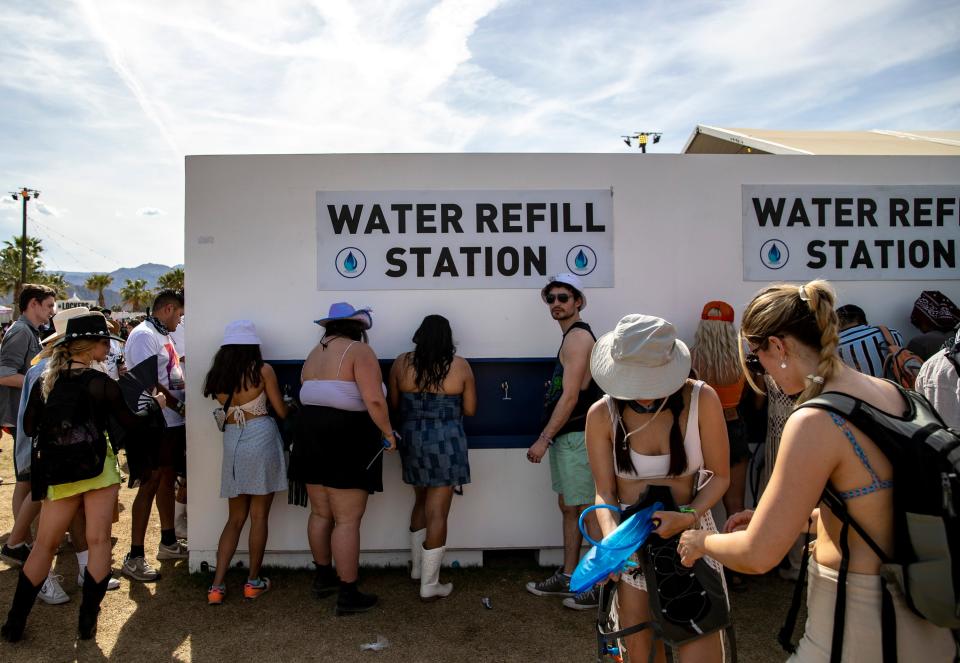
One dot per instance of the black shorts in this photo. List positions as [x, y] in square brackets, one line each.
[333, 447]
[737, 433]
[169, 450]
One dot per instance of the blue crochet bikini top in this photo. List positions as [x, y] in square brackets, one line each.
[876, 484]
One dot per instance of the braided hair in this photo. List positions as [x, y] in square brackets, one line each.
[807, 314]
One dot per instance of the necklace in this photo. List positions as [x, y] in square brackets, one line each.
[329, 341]
[626, 435]
[639, 408]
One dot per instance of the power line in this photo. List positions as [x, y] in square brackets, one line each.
[73, 241]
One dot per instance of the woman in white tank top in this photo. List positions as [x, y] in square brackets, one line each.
[654, 427]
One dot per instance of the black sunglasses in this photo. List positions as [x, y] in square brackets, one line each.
[752, 362]
[563, 298]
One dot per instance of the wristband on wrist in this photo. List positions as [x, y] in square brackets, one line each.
[696, 515]
[548, 440]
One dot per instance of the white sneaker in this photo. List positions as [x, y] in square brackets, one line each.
[52, 593]
[111, 585]
[178, 550]
[137, 568]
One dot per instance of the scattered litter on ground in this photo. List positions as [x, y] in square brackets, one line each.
[487, 603]
[381, 644]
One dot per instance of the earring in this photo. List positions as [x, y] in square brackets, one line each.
[783, 364]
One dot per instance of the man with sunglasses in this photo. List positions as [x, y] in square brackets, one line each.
[570, 393]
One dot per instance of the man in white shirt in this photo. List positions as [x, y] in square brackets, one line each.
[166, 457]
[939, 380]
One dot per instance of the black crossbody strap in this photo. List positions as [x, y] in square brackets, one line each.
[226, 411]
[840, 609]
[839, 508]
[785, 637]
[604, 637]
[888, 623]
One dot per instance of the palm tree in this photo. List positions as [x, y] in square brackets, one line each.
[99, 282]
[10, 266]
[172, 280]
[135, 294]
[56, 281]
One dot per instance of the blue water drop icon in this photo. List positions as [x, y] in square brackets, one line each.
[350, 264]
[773, 255]
[581, 260]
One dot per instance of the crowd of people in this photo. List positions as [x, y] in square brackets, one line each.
[631, 417]
[62, 402]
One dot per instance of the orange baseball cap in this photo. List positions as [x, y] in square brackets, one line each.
[726, 311]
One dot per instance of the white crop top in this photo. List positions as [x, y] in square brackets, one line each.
[339, 394]
[658, 467]
[255, 408]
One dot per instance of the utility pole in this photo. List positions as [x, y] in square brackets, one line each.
[25, 194]
[643, 138]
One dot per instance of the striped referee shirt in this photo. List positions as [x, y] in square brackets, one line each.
[863, 348]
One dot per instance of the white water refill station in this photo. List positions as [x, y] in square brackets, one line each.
[473, 237]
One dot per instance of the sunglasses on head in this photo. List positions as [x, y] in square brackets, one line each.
[562, 297]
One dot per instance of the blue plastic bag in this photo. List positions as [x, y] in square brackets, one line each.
[611, 554]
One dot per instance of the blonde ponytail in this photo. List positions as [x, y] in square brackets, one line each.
[821, 300]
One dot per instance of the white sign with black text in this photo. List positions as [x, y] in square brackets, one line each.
[398, 240]
[850, 233]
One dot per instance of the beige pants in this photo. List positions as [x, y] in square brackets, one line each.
[917, 639]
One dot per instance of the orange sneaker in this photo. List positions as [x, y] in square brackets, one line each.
[256, 588]
[216, 594]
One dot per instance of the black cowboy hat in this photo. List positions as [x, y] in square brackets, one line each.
[90, 326]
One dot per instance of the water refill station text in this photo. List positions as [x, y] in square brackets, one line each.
[473, 237]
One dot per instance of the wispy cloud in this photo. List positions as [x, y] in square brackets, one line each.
[120, 91]
[47, 210]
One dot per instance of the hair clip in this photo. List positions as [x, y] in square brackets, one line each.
[816, 378]
[803, 294]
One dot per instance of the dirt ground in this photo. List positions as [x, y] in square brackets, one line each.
[170, 621]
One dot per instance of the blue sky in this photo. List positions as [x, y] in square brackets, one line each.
[101, 99]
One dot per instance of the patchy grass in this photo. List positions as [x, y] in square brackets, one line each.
[170, 621]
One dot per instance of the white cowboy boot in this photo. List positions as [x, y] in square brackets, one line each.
[430, 587]
[416, 545]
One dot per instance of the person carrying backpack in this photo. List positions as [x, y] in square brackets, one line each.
[853, 612]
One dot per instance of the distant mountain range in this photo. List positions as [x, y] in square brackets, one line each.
[149, 271]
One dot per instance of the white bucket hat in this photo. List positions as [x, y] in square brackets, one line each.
[642, 358]
[567, 279]
[240, 332]
[60, 322]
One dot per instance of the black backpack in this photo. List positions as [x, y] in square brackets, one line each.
[69, 445]
[925, 455]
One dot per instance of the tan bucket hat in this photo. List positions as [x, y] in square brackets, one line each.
[642, 358]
